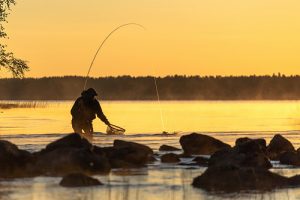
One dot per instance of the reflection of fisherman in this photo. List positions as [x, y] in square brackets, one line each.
[84, 111]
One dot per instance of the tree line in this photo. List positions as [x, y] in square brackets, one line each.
[276, 87]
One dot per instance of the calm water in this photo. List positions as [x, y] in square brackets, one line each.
[33, 128]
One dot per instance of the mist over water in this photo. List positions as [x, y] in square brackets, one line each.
[33, 128]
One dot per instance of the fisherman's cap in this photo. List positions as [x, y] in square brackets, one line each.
[91, 92]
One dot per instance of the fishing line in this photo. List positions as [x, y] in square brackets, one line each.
[160, 108]
[103, 42]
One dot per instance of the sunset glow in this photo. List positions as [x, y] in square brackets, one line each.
[194, 37]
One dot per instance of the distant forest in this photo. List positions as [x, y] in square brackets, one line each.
[276, 87]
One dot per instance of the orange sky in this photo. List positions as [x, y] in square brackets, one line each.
[193, 37]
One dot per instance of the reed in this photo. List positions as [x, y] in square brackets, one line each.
[31, 104]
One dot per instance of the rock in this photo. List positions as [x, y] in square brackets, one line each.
[68, 160]
[290, 158]
[239, 157]
[13, 161]
[133, 145]
[127, 154]
[235, 179]
[73, 140]
[201, 144]
[252, 146]
[168, 148]
[242, 140]
[170, 158]
[201, 161]
[277, 146]
[79, 180]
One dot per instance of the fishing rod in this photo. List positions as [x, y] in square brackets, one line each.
[101, 45]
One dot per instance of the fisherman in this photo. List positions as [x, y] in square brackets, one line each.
[84, 111]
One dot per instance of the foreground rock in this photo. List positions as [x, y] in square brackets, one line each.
[79, 180]
[168, 148]
[73, 140]
[68, 160]
[126, 154]
[201, 144]
[235, 179]
[277, 146]
[13, 161]
[251, 153]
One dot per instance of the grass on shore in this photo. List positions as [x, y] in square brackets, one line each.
[11, 105]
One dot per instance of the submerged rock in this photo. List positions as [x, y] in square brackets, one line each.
[201, 144]
[170, 158]
[201, 161]
[168, 148]
[79, 180]
[235, 179]
[277, 146]
[14, 162]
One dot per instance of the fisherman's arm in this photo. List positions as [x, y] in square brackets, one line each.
[100, 113]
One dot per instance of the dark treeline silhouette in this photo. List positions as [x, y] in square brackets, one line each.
[142, 88]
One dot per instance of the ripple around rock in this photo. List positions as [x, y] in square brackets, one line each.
[79, 180]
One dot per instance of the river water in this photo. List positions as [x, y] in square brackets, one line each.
[33, 128]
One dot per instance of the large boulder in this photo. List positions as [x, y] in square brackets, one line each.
[277, 146]
[201, 144]
[13, 161]
[63, 161]
[126, 154]
[73, 140]
[79, 180]
[247, 145]
[235, 179]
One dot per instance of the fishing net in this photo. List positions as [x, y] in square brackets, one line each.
[115, 130]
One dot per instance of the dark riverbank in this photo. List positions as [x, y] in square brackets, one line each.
[276, 87]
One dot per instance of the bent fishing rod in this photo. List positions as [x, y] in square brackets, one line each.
[101, 45]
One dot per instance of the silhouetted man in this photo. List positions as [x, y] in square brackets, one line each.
[84, 111]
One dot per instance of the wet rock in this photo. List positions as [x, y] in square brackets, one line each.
[73, 140]
[79, 180]
[242, 140]
[201, 144]
[168, 148]
[235, 179]
[68, 160]
[13, 161]
[277, 146]
[240, 157]
[252, 146]
[290, 158]
[127, 154]
[170, 158]
[133, 145]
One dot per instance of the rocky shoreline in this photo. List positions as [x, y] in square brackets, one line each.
[245, 166]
